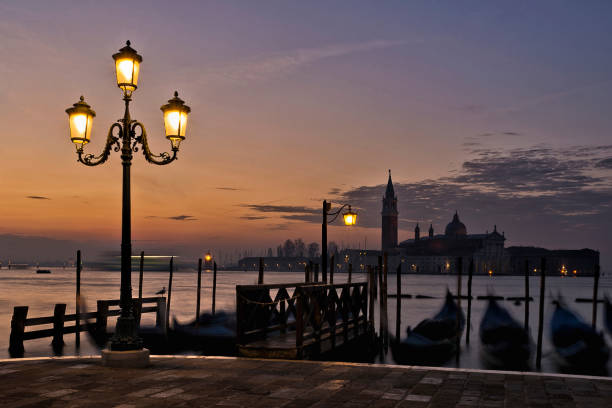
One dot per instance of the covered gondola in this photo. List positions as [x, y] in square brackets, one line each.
[505, 342]
[433, 340]
[577, 344]
[212, 335]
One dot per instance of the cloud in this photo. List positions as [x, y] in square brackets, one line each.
[35, 197]
[182, 218]
[267, 208]
[175, 217]
[263, 67]
[334, 191]
[228, 188]
[605, 163]
[539, 195]
[288, 212]
[278, 227]
[253, 217]
[556, 197]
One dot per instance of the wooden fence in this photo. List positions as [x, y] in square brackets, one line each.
[105, 309]
[319, 316]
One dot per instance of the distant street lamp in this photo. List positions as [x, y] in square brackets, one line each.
[208, 260]
[127, 67]
[350, 218]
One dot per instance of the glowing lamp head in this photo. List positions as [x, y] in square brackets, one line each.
[127, 68]
[350, 217]
[208, 257]
[175, 120]
[81, 120]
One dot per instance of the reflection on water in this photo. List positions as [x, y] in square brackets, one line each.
[41, 292]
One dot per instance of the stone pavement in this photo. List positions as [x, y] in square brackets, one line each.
[179, 381]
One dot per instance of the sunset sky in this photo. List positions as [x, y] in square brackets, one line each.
[500, 110]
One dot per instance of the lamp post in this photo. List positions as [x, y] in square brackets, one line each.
[350, 218]
[122, 136]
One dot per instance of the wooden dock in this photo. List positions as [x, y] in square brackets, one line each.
[300, 320]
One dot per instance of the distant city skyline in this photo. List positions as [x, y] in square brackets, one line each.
[499, 110]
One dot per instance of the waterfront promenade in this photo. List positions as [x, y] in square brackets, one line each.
[178, 381]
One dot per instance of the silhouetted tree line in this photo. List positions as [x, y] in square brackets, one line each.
[297, 247]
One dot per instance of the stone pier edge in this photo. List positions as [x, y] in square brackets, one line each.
[406, 367]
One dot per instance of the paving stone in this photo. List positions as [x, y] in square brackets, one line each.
[418, 398]
[197, 382]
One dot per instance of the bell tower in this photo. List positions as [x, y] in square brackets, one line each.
[389, 217]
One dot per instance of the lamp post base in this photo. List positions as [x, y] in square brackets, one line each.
[125, 359]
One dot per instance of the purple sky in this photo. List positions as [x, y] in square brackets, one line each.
[501, 110]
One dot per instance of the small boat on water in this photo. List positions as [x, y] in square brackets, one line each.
[213, 334]
[505, 342]
[577, 344]
[433, 340]
[43, 271]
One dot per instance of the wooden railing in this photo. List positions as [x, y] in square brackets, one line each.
[312, 310]
[105, 309]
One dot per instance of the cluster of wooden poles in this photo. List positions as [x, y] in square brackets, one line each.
[312, 275]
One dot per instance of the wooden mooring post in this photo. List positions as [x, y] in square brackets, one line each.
[140, 275]
[214, 288]
[459, 277]
[384, 317]
[102, 316]
[526, 295]
[260, 276]
[469, 300]
[595, 287]
[371, 288]
[58, 327]
[350, 273]
[199, 292]
[77, 333]
[541, 313]
[398, 307]
[316, 272]
[160, 315]
[306, 273]
[379, 271]
[332, 266]
[169, 293]
[20, 314]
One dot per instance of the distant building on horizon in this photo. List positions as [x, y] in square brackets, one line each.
[438, 253]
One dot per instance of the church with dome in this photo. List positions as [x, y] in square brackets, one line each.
[437, 253]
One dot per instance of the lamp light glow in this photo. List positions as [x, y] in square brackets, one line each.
[208, 257]
[175, 120]
[350, 217]
[80, 120]
[127, 68]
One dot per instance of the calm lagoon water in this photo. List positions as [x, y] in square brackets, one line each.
[40, 292]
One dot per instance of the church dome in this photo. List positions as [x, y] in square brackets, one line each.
[455, 228]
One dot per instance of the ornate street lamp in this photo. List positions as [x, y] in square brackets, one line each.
[350, 218]
[125, 135]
